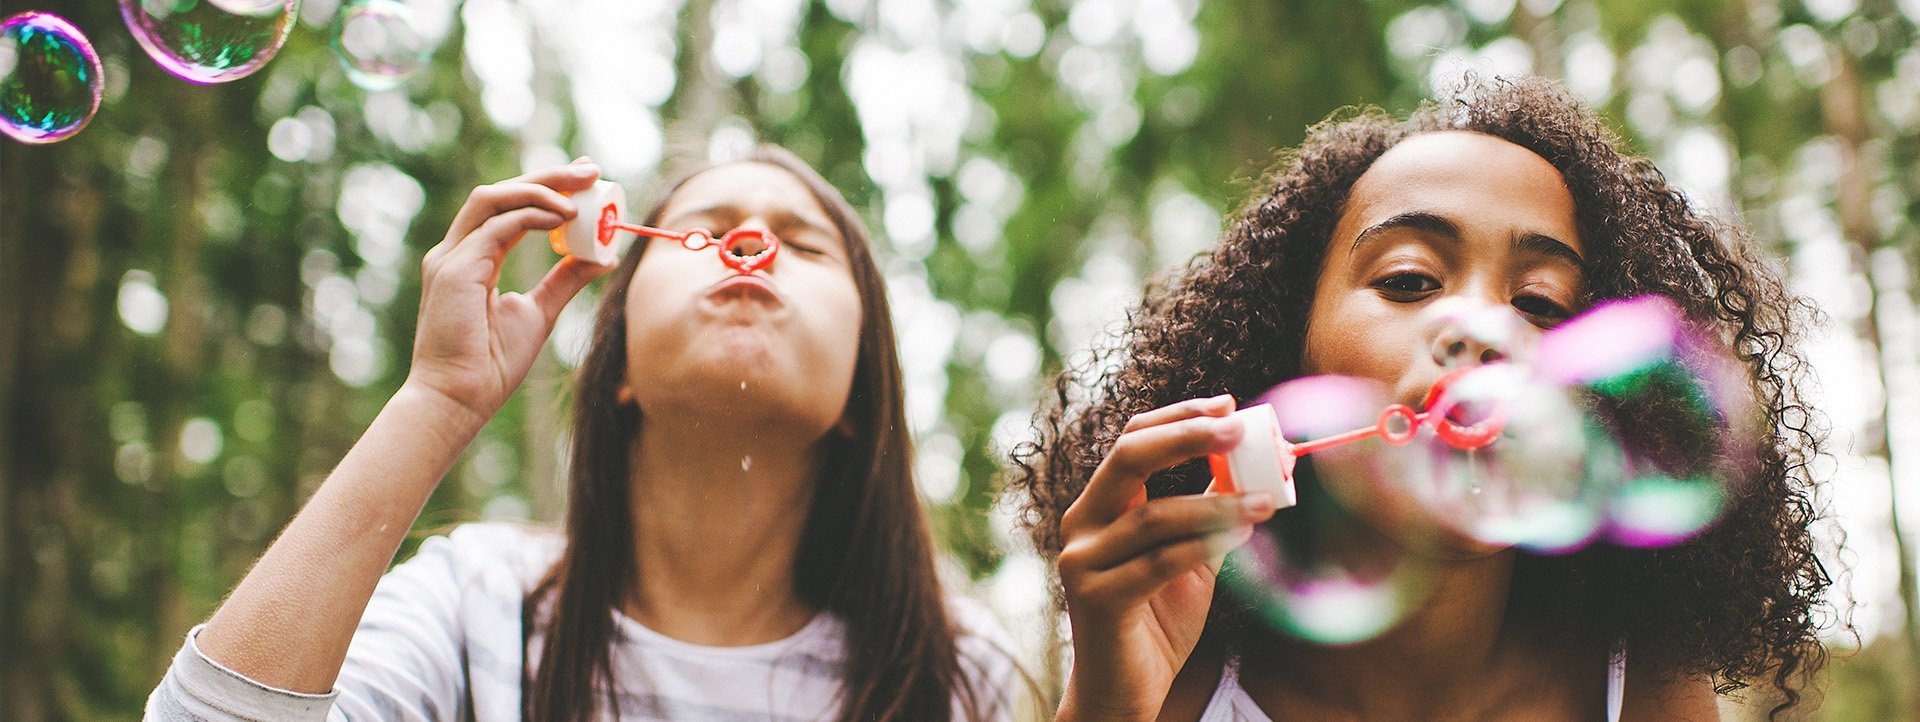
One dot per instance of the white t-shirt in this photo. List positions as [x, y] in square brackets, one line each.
[440, 640]
[1231, 703]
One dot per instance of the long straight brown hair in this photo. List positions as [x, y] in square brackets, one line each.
[865, 553]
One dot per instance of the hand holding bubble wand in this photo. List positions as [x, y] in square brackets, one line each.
[591, 235]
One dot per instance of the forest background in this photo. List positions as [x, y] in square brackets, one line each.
[207, 293]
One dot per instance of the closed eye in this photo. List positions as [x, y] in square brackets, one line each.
[802, 247]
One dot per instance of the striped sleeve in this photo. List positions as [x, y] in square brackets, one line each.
[406, 660]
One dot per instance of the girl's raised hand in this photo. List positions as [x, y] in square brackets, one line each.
[1138, 575]
[474, 345]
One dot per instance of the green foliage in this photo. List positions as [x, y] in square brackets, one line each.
[141, 473]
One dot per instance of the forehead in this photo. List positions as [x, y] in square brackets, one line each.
[748, 186]
[1474, 178]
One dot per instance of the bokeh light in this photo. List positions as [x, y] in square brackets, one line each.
[208, 42]
[379, 43]
[50, 78]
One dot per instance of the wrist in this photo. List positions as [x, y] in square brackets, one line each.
[454, 413]
[1104, 705]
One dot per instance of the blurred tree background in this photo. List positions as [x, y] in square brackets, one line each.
[207, 294]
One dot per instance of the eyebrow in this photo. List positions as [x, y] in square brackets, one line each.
[1528, 241]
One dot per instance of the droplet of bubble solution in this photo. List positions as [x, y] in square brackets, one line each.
[210, 41]
[379, 43]
[49, 78]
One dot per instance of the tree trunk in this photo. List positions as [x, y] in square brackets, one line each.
[1844, 105]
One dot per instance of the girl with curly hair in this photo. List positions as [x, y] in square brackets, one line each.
[1512, 195]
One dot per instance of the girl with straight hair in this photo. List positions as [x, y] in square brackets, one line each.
[743, 537]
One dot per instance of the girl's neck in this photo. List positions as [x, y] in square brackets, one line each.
[717, 519]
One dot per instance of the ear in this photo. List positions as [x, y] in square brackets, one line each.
[624, 395]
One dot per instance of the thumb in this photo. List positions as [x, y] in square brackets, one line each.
[562, 283]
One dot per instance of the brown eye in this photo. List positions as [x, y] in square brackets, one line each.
[1540, 307]
[1407, 284]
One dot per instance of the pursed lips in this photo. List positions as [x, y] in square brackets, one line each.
[745, 287]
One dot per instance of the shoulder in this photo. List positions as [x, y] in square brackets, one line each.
[1654, 695]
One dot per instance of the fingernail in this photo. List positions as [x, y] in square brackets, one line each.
[583, 159]
[1258, 503]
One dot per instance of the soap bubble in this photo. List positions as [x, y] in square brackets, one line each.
[49, 78]
[1543, 483]
[1626, 424]
[379, 43]
[1677, 402]
[1320, 600]
[1318, 572]
[210, 41]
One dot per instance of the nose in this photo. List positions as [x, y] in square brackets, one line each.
[1471, 334]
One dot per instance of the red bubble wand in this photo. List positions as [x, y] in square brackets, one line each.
[1255, 466]
[590, 237]
[744, 250]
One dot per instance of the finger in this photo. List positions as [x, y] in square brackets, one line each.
[1164, 521]
[491, 200]
[1138, 454]
[486, 247]
[1221, 405]
[1143, 576]
[569, 178]
[562, 283]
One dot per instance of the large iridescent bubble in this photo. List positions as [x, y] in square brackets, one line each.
[379, 43]
[1626, 424]
[49, 78]
[1316, 571]
[210, 41]
[1678, 406]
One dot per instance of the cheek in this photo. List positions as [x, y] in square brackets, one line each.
[1363, 336]
[837, 318]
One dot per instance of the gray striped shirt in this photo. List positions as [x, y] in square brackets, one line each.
[441, 640]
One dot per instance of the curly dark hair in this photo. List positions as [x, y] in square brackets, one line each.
[1740, 602]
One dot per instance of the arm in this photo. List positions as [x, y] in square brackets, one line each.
[1138, 575]
[288, 623]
